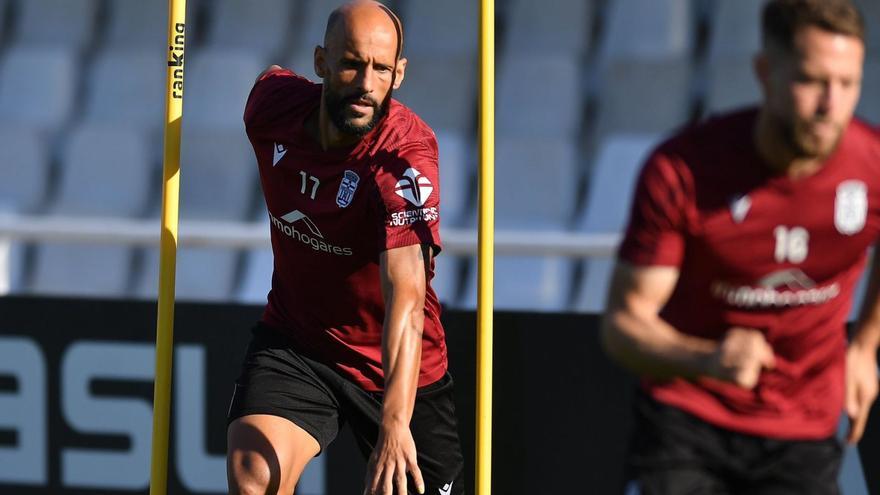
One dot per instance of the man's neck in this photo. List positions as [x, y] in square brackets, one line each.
[320, 127]
[777, 155]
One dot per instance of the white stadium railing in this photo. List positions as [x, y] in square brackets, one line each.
[250, 235]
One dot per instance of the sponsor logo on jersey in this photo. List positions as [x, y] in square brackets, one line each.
[739, 207]
[313, 238]
[414, 187]
[409, 217]
[347, 188]
[784, 288]
[278, 152]
[850, 207]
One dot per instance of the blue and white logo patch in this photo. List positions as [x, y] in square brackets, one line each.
[347, 188]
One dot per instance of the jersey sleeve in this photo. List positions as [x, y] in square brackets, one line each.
[656, 230]
[409, 191]
[270, 98]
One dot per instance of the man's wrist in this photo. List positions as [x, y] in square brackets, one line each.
[864, 344]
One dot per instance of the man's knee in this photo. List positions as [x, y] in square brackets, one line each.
[250, 473]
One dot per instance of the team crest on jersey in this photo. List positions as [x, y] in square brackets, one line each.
[851, 207]
[414, 187]
[347, 188]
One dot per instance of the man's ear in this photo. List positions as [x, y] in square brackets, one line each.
[400, 72]
[321, 62]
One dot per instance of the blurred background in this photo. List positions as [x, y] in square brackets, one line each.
[585, 88]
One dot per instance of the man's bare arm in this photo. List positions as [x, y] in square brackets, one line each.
[404, 280]
[634, 334]
[861, 357]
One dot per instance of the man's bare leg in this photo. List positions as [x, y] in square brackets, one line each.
[266, 455]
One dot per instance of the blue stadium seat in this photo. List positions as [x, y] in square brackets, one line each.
[526, 283]
[312, 23]
[736, 29]
[732, 84]
[448, 28]
[648, 30]
[871, 11]
[24, 173]
[105, 171]
[136, 23]
[217, 183]
[446, 279]
[537, 178]
[539, 95]
[560, 26]
[37, 87]
[217, 86]
[104, 174]
[127, 87]
[442, 90]
[203, 274]
[60, 23]
[218, 176]
[614, 176]
[869, 106]
[256, 280]
[260, 26]
[24, 170]
[456, 170]
[644, 96]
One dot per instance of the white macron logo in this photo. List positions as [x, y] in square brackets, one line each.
[447, 488]
[739, 208]
[414, 187]
[279, 150]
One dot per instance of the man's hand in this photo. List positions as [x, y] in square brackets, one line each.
[741, 357]
[393, 456]
[861, 387]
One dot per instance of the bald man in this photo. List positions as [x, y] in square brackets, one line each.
[351, 332]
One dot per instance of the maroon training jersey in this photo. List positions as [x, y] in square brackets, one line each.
[761, 251]
[331, 214]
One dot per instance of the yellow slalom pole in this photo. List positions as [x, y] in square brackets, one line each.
[168, 248]
[486, 260]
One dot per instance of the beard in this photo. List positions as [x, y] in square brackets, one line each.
[337, 108]
[804, 144]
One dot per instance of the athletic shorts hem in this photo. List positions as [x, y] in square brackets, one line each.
[269, 411]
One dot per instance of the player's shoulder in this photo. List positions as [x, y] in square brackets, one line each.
[717, 131]
[865, 133]
[278, 92]
[404, 135]
[403, 130]
[708, 144]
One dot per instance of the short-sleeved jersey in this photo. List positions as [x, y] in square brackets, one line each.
[331, 214]
[761, 251]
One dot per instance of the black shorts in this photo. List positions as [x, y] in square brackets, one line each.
[277, 380]
[676, 453]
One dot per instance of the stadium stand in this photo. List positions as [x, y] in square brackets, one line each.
[538, 180]
[104, 171]
[118, 76]
[58, 23]
[24, 172]
[611, 190]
